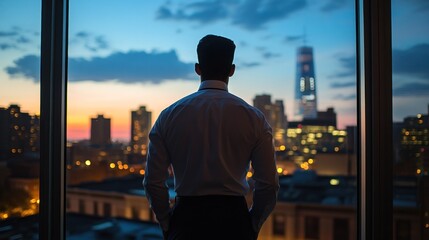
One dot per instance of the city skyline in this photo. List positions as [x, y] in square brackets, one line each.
[145, 55]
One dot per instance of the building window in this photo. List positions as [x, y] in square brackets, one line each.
[341, 229]
[311, 228]
[107, 210]
[279, 224]
[135, 213]
[95, 208]
[81, 206]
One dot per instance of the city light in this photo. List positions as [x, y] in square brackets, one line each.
[112, 165]
[334, 182]
[87, 162]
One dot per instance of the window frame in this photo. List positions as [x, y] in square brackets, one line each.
[53, 85]
[374, 85]
[374, 100]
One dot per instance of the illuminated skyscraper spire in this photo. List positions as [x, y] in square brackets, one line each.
[305, 85]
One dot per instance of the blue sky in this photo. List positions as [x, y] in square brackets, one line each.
[123, 54]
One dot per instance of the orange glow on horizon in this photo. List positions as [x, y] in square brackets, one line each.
[82, 131]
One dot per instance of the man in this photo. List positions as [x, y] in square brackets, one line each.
[210, 138]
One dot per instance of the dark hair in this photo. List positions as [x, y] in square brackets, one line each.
[215, 56]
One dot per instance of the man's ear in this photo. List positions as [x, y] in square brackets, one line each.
[198, 69]
[232, 70]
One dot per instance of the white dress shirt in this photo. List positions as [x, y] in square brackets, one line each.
[210, 138]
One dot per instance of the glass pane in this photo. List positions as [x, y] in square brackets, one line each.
[295, 62]
[20, 24]
[410, 49]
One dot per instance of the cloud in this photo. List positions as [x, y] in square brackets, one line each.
[348, 65]
[268, 55]
[249, 64]
[343, 84]
[255, 14]
[6, 46]
[125, 67]
[412, 61]
[91, 42]
[202, 12]
[333, 5]
[82, 34]
[414, 89]
[418, 5]
[247, 14]
[23, 39]
[27, 66]
[16, 38]
[294, 38]
[8, 33]
[344, 97]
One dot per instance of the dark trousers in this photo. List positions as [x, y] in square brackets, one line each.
[210, 217]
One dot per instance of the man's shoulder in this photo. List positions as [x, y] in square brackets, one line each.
[182, 101]
[247, 106]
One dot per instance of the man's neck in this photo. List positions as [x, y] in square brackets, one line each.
[222, 80]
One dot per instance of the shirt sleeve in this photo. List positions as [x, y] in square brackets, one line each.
[155, 180]
[265, 177]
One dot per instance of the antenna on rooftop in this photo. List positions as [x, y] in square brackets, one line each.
[304, 36]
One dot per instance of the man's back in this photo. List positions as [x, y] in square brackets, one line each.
[210, 136]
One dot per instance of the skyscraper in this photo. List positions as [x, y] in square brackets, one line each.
[305, 86]
[274, 113]
[141, 123]
[263, 103]
[100, 131]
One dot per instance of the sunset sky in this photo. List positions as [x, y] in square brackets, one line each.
[124, 54]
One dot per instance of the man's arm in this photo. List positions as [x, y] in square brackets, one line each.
[265, 177]
[154, 182]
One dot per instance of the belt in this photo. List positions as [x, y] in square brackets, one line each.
[227, 199]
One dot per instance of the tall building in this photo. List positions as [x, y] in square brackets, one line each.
[263, 103]
[305, 86]
[100, 131]
[275, 115]
[141, 123]
[19, 132]
[414, 146]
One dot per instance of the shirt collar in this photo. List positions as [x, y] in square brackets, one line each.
[213, 84]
